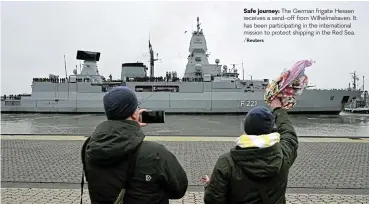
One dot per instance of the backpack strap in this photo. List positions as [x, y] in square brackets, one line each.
[83, 151]
[131, 166]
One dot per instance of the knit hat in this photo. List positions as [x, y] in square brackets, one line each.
[258, 121]
[120, 103]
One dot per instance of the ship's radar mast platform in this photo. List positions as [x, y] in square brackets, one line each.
[89, 70]
[197, 61]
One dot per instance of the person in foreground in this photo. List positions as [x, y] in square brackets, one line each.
[157, 175]
[256, 170]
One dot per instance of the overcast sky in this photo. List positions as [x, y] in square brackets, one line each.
[36, 35]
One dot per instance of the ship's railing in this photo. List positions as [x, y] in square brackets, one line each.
[164, 79]
[149, 79]
[11, 97]
[347, 89]
[112, 81]
[61, 80]
[52, 80]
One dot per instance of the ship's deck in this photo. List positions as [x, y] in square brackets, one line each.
[47, 169]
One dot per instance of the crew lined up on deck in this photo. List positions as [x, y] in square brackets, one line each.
[53, 80]
[130, 79]
[59, 80]
[11, 97]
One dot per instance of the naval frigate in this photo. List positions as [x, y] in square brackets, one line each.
[204, 88]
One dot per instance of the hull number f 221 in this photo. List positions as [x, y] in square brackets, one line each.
[249, 103]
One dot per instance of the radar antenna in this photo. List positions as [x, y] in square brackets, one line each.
[234, 67]
[198, 24]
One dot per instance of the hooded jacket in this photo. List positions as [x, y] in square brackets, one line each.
[157, 175]
[256, 161]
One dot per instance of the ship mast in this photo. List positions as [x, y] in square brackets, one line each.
[363, 83]
[65, 68]
[243, 71]
[355, 78]
[198, 24]
[152, 59]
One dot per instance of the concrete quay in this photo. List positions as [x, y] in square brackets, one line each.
[47, 169]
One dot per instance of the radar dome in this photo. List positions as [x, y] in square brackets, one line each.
[198, 67]
[225, 67]
[75, 71]
[217, 61]
[53, 76]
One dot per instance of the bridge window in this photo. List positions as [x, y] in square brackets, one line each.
[199, 41]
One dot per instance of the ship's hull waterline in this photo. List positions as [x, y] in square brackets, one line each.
[310, 102]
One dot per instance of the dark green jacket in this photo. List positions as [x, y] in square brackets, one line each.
[267, 166]
[157, 176]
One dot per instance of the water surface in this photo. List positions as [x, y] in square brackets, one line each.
[216, 125]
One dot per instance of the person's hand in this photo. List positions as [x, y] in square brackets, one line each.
[276, 103]
[139, 119]
[205, 179]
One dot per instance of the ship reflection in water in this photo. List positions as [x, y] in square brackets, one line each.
[211, 125]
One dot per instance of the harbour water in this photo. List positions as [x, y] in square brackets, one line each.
[352, 125]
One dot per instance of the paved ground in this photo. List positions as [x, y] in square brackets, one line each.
[324, 171]
[58, 196]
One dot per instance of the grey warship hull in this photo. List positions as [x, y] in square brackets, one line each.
[207, 101]
[205, 88]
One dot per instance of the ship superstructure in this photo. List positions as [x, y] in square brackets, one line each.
[204, 88]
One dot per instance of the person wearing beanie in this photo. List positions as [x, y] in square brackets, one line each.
[120, 103]
[256, 169]
[259, 121]
[118, 163]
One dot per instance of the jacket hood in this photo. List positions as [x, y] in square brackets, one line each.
[112, 140]
[260, 156]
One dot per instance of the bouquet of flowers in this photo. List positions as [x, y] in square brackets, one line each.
[289, 84]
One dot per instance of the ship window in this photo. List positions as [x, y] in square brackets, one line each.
[198, 59]
[332, 97]
[12, 103]
[143, 88]
[198, 41]
[166, 88]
